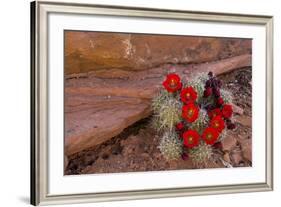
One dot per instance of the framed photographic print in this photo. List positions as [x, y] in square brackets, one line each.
[135, 103]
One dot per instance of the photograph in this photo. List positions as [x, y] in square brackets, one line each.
[156, 102]
[132, 103]
[140, 103]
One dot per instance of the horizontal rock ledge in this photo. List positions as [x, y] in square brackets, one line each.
[99, 106]
[94, 51]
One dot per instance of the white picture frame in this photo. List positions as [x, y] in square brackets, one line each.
[48, 185]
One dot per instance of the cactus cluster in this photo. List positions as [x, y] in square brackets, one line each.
[167, 111]
[192, 116]
[170, 145]
[201, 154]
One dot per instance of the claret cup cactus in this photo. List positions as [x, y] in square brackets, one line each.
[192, 116]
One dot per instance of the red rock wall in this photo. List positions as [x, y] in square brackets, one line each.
[98, 51]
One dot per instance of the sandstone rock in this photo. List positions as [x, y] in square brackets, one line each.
[225, 65]
[92, 120]
[237, 109]
[228, 143]
[65, 162]
[247, 153]
[237, 158]
[226, 157]
[244, 120]
[246, 146]
[94, 51]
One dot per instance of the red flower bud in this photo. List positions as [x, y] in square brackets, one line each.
[220, 101]
[227, 111]
[180, 133]
[216, 92]
[219, 83]
[231, 126]
[180, 126]
[208, 83]
[207, 92]
[213, 113]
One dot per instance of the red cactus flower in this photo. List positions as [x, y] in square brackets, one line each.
[217, 123]
[214, 112]
[191, 138]
[188, 95]
[220, 101]
[190, 112]
[172, 83]
[180, 126]
[210, 135]
[207, 92]
[227, 111]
